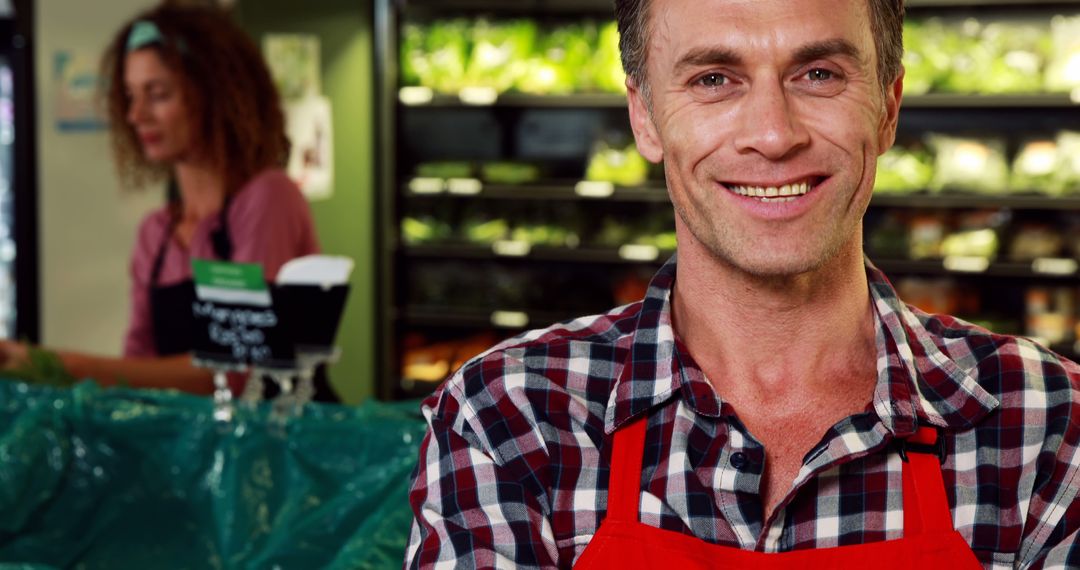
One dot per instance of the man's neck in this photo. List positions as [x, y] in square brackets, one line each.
[783, 338]
[202, 190]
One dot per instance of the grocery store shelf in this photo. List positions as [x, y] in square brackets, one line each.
[567, 190]
[1040, 269]
[598, 7]
[627, 254]
[417, 99]
[420, 98]
[479, 318]
[966, 101]
[603, 7]
[979, 3]
[1016, 201]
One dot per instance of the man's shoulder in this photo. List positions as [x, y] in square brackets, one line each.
[1002, 363]
[566, 368]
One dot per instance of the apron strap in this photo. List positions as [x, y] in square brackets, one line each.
[159, 259]
[926, 508]
[624, 474]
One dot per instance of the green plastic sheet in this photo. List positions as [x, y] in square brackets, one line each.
[119, 478]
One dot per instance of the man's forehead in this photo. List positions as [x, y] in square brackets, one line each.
[749, 26]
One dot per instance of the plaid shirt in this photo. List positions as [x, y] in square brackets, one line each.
[514, 469]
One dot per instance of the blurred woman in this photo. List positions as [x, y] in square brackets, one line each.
[190, 100]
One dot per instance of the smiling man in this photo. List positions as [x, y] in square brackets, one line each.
[771, 402]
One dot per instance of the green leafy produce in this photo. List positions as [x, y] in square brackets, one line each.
[971, 243]
[424, 229]
[544, 234]
[509, 172]
[972, 165]
[923, 66]
[613, 233]
[483, 231]
[1068, 167]
[415, 63]
[901, 171]
[447, 54]
[625, 167]
[560, 65]
[42, 367]
[499, 54]
[607, 63]
[444, 169]
[1035, 168]
[1063, 70]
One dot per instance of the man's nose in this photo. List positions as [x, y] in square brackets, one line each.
[769, 126]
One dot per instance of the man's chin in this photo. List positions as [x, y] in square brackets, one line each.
[772, 266]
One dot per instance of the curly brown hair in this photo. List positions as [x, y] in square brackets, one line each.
[234, 104]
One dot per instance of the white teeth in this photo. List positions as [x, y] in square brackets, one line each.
[766, 192]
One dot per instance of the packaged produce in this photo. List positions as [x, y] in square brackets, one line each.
[625, 166]
[607, 64]
[1063, 70]
[561, 65]
[485, 231]
[901, 171]
[1035, 168]
[969, 164]
[446, 55]
[1050, 314]
[927, 230]
[424, 229]
[508, 172]
[1015, 57]
[971, 243]
[1034, 240]
[444, 169]
[889, 237]
[545, 234]
[414, 61]
[921, 69]
[500, 52]
[1068, 166]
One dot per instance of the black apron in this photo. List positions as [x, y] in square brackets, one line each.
[172, 319]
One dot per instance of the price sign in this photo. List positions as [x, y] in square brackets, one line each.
[235, 319]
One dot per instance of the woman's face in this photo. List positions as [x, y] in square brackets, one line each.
[156, 108]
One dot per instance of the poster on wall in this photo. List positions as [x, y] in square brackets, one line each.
[75, 82]
[311, 159]
[294, 63]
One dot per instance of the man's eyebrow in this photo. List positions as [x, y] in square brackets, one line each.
[706, 56]
[827, 48]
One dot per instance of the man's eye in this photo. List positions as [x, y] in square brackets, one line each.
[819, 75]
[712, 80]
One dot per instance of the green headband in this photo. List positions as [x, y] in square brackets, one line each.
[143, 33]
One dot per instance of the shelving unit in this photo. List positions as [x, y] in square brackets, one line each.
[489, 126]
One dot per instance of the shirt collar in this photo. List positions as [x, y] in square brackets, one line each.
[918, 382]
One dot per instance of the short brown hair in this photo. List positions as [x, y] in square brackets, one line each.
[234, 105]
[886, 25]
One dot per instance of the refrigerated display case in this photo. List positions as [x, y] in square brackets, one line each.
[18, 207]
[979, 201]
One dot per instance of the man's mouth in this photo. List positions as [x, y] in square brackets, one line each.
[781, 193]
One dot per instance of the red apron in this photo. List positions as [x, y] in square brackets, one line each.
[622, 542]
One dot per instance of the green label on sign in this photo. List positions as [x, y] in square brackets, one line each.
[225, 275]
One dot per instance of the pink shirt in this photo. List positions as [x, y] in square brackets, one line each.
[269, 223]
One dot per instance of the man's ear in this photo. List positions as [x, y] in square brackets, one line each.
[648, 140]
[889, 120]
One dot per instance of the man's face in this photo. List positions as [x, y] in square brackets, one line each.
[769, 118]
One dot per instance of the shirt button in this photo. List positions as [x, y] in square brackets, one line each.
[738, 460]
